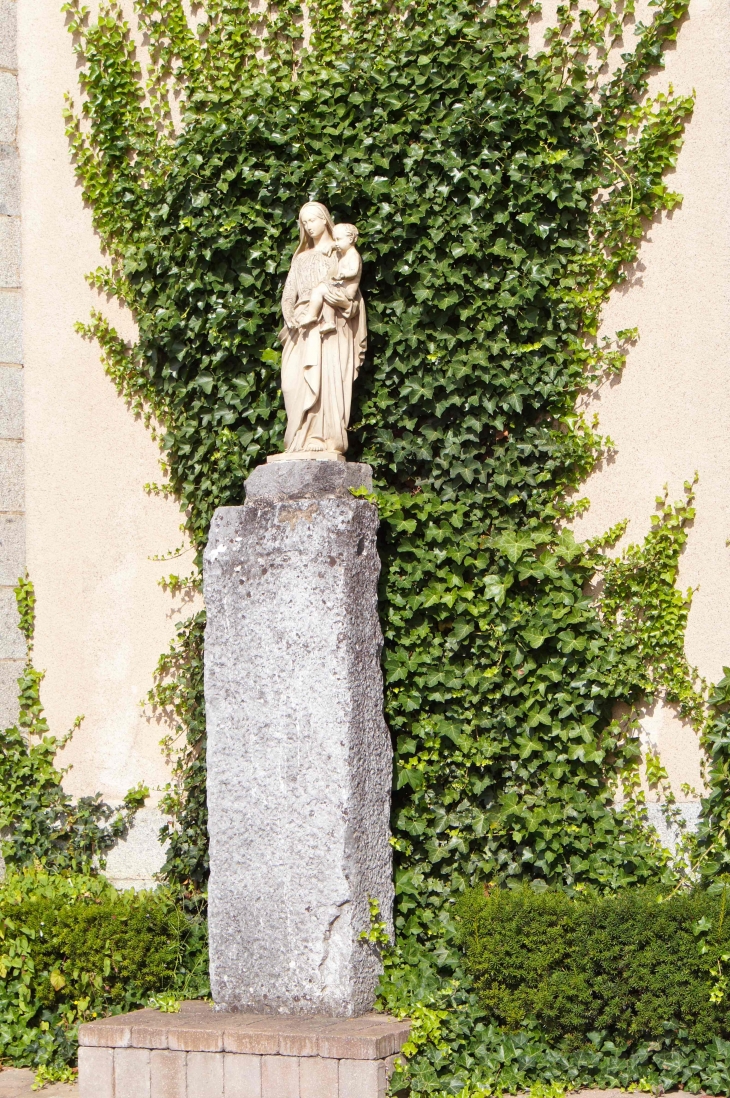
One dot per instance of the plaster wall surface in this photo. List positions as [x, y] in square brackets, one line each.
[102, 619]
[668, 414]
[91, 530]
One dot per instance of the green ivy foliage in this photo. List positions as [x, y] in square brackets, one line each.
[178, 693]
[73, 949]
[528, 712]
[40, 824]
[500, 197]
[713, 837]
[641, 599]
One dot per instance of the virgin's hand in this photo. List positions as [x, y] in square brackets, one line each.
[336, 300]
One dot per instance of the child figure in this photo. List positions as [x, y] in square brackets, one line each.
[346, 281]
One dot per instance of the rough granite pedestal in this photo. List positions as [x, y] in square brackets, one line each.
[299, 756]
[202, 1053]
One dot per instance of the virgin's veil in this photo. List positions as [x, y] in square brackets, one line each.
[304, 242]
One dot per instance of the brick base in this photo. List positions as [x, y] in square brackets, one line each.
[199, 1053]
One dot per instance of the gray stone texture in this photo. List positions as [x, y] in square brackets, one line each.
[11, 402]
[8, 107]
[9, 252]
[10, 671]
[299, 756]
[12, 493]
[307, 480]
[12, 549]
[8, 34]
[9, 181]
[12, 485]
[12, 641]
[11, 326]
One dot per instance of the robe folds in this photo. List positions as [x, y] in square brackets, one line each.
[318, 368]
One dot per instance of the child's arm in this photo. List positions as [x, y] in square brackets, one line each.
[350, 264]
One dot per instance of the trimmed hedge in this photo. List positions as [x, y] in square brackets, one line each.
[72, 948]
[630, 966]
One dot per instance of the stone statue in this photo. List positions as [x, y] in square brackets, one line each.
[324, 339]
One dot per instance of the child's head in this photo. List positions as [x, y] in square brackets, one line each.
[345, 235]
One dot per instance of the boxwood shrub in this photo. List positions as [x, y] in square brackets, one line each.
[631, 965]
[72, 948]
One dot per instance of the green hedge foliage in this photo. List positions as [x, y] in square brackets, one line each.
[72, 948]
[630, 965]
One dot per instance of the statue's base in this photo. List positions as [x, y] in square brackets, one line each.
[201, 1053]
[299, 762]
[307, 455]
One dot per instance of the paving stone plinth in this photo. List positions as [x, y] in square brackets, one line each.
[161, 1055]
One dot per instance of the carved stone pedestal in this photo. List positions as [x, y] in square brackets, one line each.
[299, 756]
[200, 1053]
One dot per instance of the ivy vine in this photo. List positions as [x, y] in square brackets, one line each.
[178, 693]
[500, 197]
[40, 824]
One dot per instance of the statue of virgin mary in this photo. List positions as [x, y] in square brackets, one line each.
[319, 360]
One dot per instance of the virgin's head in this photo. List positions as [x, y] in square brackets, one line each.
[314, 224]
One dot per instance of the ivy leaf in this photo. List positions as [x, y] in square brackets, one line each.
[513, 544]
[567, 547]
[461, 630]
[496, 587]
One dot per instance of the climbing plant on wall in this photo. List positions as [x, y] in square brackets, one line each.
[40, 823]
[500, 195]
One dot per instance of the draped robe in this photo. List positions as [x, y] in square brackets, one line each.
[318, 368]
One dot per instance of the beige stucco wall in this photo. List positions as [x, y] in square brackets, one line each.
[668, 415]
[102, 619]
[91, 529]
